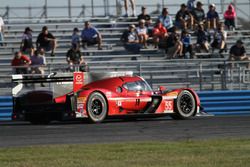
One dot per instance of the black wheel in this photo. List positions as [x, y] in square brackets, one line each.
[97, 107]
[185, 105]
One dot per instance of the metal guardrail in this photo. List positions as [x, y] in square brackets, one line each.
[93, 8]
[203, 74]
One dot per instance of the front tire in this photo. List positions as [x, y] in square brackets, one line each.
[185, 105]
[97, 107]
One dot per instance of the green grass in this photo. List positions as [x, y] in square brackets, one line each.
[211, 153]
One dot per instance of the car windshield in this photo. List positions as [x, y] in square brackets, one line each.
[137, 86]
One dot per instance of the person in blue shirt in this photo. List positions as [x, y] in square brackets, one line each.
[203, 39]
[91, 36]
[212, 17]
[76, 38]
[219, 39]
[186, 43]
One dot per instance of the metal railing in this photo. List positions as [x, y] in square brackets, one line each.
[196, 74]
[93, 8]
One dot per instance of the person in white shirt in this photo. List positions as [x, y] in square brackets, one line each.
[1, 31]
[166, 20]
[142, 32]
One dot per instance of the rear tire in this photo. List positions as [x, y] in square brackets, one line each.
[185, 105]
[97, 107]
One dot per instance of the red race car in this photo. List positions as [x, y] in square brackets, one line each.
[97, 98]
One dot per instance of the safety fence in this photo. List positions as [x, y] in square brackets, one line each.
[235, 102]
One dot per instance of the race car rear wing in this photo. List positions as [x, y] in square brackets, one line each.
[23, 83]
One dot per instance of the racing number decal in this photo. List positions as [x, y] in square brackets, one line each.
[169, 105]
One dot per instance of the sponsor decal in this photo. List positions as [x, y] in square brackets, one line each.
[146, 99]
[172, 94]
[108, 94]
[169, 97]
[81, 99]
[119, 103]
[64, 83]
[78, 80]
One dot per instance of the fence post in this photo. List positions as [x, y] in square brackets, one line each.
[92, 8]
[69, 8]
[200, 76]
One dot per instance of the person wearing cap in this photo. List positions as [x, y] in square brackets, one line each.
[229, 17]
[91, 36]
[166, 20]
[142, 32]
[212, 17]
[20, 63]
[131, 40]
[74, 58]
[238, 53]
[190, 5]
[46, 41]
[144, 16]
[26, 45]
[198, 14]
[183, 17]
[76, 38]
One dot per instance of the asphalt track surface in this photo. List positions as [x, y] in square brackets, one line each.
[154, 129]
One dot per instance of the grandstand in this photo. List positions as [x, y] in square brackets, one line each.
[201, 73]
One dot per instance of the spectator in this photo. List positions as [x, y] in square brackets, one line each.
[160, 34]
[229, 17]
[1, 31]
[183, 17]
[131, 40]
[142, 32]
[219, 39]
[174, 45]
[74, 58]
[75, 38]
[238, 53]
[46, 41]
[198, 14]
[91, 36]
[166, 20]
[132, 3]
[27, 44]
[144, 16]
[38, 61]
[203, 38]
[190, 5]
[187, 45]
[20, 63]
[212, 17]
